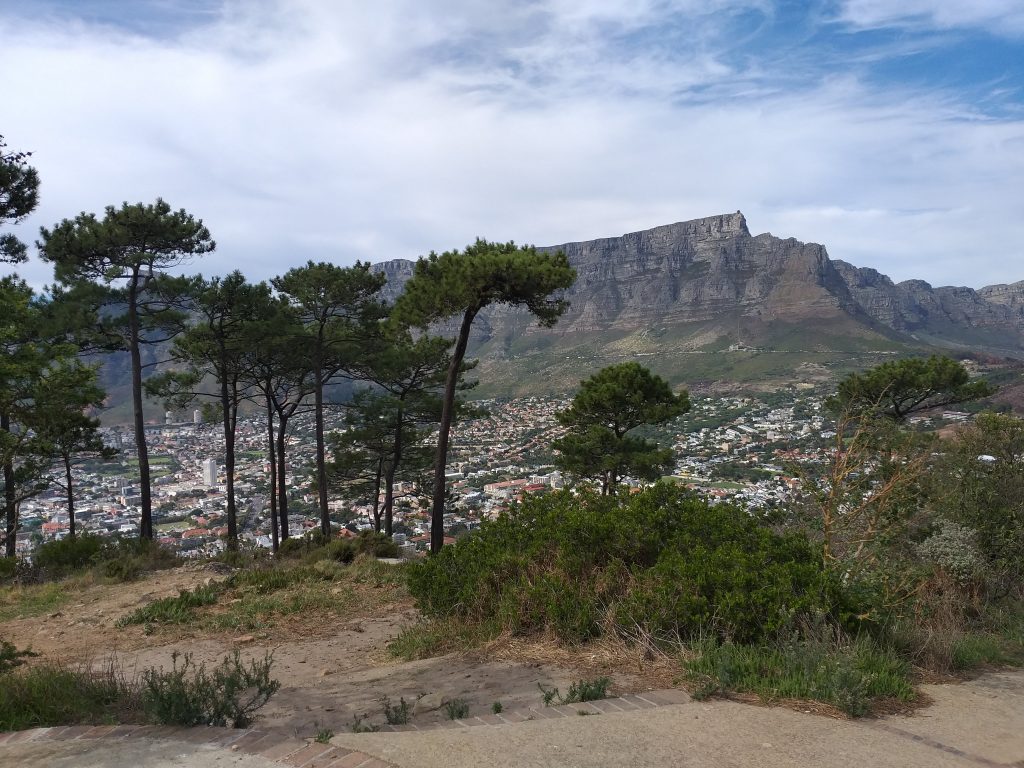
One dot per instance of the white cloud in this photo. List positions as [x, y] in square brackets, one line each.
[308, 129]
[1000, 17]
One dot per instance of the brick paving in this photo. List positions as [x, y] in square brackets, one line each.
[281, 748]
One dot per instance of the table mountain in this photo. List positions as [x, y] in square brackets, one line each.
[706, 299]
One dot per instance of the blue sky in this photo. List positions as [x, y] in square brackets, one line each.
[892, 132]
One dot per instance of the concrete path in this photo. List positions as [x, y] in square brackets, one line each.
[978, 723]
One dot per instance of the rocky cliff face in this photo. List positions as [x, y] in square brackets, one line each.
[708, 283]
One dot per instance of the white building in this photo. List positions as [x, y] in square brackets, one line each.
[210, 472]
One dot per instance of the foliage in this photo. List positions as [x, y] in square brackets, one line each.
[662, 561]
[979, 485]
[19, 195]
[114, 558]
[899, 388]
[188, 695]
[850, 677]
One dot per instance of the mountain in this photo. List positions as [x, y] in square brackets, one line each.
[705, 299]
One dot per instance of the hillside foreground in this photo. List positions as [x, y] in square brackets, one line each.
[335, 668]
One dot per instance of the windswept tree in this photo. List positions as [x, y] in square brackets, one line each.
[339, 308]
[217, 344]
[611, 404]
[121, 264]
[19, 195]
[460, 285]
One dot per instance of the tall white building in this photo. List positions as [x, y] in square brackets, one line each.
[210, 472]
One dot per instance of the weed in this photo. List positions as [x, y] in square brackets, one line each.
[189, 695]
[497, 707]
[324, 735]
[359, 725]
[397, 714]
[588, 690]
[457, 709]
[579, 691]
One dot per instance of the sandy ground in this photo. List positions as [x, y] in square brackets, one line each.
[331, 671]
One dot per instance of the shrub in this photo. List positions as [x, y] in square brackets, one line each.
[662, 561]
[189, 695]
[59, 558]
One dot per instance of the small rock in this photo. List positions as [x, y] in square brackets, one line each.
[56, 615]
[244, 639]
[326, 672]
[428, 703]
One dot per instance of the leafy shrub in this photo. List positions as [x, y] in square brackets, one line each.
[663, 561]
[189, 695]
[954, 549]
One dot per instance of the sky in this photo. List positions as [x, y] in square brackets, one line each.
[891, 132]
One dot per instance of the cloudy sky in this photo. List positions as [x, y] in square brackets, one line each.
[892, 132]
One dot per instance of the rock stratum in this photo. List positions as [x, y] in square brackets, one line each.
[705, 299]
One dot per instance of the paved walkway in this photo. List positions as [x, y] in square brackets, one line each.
[979, 723]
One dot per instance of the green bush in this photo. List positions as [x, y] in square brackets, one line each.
[189, 695]
[664, 562]
[120, 559]
[67, 555]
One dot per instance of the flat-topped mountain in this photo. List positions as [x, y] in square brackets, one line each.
[709, 287]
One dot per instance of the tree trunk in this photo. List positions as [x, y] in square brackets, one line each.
[272, 454]
[389, 482]
[10, 502]
[146, 523]
[321, 469]
[71, 495]
[376, 495]
[282, 489]
[230, 418]
[447, 411]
